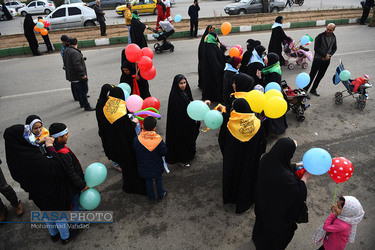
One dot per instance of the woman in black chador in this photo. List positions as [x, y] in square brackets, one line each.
[28, 29]
[279, 197]
[209, 28]
[242, 142]
[277, 37]
[137, 29]
[182, 131]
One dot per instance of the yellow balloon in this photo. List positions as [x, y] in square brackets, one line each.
[275, 107]
[256, 100]
[234, 52]
[226, 28]
[272, 93]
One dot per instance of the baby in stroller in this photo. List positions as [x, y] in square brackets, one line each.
[296, 99]
[296, 55]
[167, 30]
[355, 88]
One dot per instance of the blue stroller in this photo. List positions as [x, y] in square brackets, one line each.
[361, 94]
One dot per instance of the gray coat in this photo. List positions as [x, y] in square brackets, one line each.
[75, 67]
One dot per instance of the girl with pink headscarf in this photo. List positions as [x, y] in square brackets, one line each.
[340, 226]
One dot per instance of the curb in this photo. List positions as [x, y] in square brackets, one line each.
[181, 34]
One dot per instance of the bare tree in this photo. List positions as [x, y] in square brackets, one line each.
[266, 6]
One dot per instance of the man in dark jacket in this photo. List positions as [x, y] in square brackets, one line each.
[366, 5]
[325, 46]
[75, 71]
[193, 13]
[100, 17]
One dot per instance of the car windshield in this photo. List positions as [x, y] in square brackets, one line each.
[245, 1]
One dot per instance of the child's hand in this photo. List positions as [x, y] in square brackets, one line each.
[49, 141]
[208, 102]
[42, 141]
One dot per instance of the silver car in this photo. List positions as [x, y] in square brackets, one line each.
[252, 6]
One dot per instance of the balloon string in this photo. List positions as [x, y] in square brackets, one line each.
[334, 197]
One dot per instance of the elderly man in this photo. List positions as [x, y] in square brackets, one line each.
[325, 46]
[128, 19]
[100, 17]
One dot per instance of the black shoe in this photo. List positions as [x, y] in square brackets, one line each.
[56, 237]
[314, 93]
[362, 23]
[90, 109]
[184, 165]
[88, 96]
[165, 194]
[65, 242]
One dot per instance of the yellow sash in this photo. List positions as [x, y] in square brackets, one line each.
[114, 109]
[243, 126]
[149, 139]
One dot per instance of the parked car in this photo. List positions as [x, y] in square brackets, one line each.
[108, 4]
[75, 2]
[252, 6]
[70, 16]
[12, 11]
[37, 7]
[143, 6]
[15, 4]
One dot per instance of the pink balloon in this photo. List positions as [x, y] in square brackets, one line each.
[150, 74]
[132, 52]
[239, 47]
[145, 63]
[146, 51]
[134, 103]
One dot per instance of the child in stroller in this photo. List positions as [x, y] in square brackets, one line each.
[167, 30]
[355, 88]
[296, 99]
[296, 55]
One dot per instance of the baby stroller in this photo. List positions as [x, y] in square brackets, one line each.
[296, 55]
[361, 94]
[296, 99]
[167, 30]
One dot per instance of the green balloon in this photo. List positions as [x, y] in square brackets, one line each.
[95, 174]
[197, 110]
[213, 119]
[344, 75]
[90, 199]
[40, 25]
[125, 86]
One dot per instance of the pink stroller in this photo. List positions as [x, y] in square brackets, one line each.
[296, 55]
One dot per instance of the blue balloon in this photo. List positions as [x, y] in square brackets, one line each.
[197, 110]
[177, 18]
[302, 80]
[305, 40]
[272, 85]
[90, 199]
[317, 161]
[213, 119]
[125, 86]
[95, 174]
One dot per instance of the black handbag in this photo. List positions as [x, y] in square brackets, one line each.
[303, 216]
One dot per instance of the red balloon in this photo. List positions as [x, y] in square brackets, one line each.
[146, 51]
[46, 24]
[145, 63]
[132, 52]
[150, 74]
[151, 102]
[341, 169]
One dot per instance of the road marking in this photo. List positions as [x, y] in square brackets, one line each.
[34, 93]
[354, 52]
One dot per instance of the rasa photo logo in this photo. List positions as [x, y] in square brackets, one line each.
[72, 216]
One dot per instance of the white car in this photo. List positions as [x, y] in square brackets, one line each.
[71, 15]
[12, 11]
[38, 7]
[15, 4]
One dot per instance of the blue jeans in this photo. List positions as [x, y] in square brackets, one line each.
[61, 227]
[129, 39]
[82, 89]
[159, 187]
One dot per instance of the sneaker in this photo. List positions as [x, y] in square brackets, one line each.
[315, 93]
[90, 109]
[65, 242]
[19, 209]
[55, 238]
[184, 165]
[165, 194]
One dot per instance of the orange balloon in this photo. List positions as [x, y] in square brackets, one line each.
[234, 52]
[226, 28]
[36, 28]
[43, 32]
[41, 20]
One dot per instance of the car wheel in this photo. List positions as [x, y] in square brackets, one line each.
[23, 13]
[275, 9]
[89, 23]
[47, 11]
[241, 12]
[155, 11]
[301, 3]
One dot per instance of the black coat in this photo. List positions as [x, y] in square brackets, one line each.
[252, 69]
[200, 51]
[240, 166]
[279, 198]
[277, 37]
[136, 33]
[99, 13]
[228, 80]
[42, 177]
[75, 66]
[28, 29]
[182, 131]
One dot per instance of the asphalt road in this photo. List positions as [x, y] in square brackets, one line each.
[192, 216]
[209, 8]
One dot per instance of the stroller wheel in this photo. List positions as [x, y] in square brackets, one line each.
[156, 45]
[300, 118]
[286, 62]
[304, 65]
[171, 49]
[338, 95]
[290, 66]
[338, 101]
[361, 105]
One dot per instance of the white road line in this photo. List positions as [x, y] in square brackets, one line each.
[354, 52]
[34, 93]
